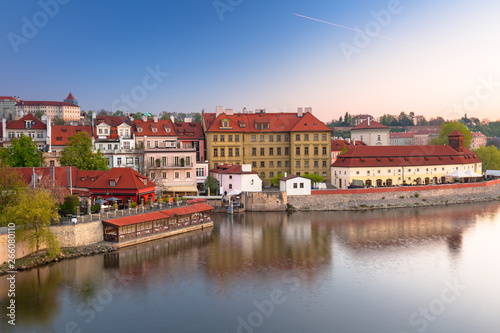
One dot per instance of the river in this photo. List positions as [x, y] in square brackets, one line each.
[433, 269]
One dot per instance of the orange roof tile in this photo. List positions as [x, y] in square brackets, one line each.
[20, 124]
[61, 133]
[127, 178]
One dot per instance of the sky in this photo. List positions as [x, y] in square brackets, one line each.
[434, 58]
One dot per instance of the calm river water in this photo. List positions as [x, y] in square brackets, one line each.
[400, 270]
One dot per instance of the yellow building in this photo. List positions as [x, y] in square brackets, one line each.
[398, 165]
[273, 143]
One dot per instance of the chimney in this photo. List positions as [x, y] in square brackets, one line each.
[188, 120]
[300, 112]
[172, 119]
[145, 118]
[218, 111]
[308, 110]
[368, 121]
[155, 119]
[229, 112]
[244, 110]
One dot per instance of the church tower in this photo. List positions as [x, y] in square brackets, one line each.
[71, 99]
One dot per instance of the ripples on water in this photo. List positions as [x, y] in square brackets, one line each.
[370, 271]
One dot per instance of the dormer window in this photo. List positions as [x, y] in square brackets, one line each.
[139, 129]
[168, 130]
[145, 181]
[27, 124]
[112, 183]
[154, 129]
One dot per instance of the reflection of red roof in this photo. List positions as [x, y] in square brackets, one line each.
[373, 125]
[278, 122]
[61, 133]
[231, 169]
[387, 156]
[125, 178]
[338, 145]
[122, 221]
[21, 123]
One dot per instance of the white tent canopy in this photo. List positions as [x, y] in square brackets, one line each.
[471, 173]
[457, 174]
[234, 192]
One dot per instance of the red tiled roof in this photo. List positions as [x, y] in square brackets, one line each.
[61, 133]
[189, 131]
[122, 221]
[70, 96]
[455, 133]
[373, 124]
[278, 122]
[338, 145]
[231, 169]
[61, 175]
[387, 156]
[20, 124]
[289, 177]
[112, 120]
[3, 98]
[478, 134]
[86, 177]
[45, 103]
[402, 135]
[147, 127]
[127, 178]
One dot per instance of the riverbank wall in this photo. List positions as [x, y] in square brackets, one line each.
[395, 197]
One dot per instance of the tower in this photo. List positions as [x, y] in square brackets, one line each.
[456, 141]
[71, 99]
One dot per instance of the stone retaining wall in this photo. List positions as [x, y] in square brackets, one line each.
[397, 197]
[265, 201]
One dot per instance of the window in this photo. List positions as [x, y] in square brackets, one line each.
[306, 164]
[237, 138]
[261, 138]
[230, 186]
[222, 138]
[278, 151]
[52, 164]
[200, 172]
[306, 137]
[287, 163]
[271, 174]
[279, 164]
[254, 138]
[315, 150]
[271, 151]
[271, 164]
[287, 138]
[262, 164]
[278, 137]
[262, 152]
[222, 152]
[324, 163]
[286, 151]
[297, 164]
[164, 161]
[188, 174]
[156, 144]
[357, 172]
[112, 183]
[271, 138]
[306, 150]
[297, 137]
[164, 175]
[230, 138]
[378, 137]
[216, 152]
[316, 137]
[236, 152]
[254, 151]
[316, 164]
[324, 150]
[295, 185]
[215, 138]
[262, 175]
[119, 161]
[323, 137]
[254, 164]
[361, 138]
[230, 152]
[151, 161]
[324, 174]
[215, 165]
[297, 150]
[301, 185]
[176, 175]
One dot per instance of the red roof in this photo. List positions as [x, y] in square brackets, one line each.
[70, 96]
[387, 156]
[125, 178]
[86, 177]
[289, 177]
[189, 131]
[122, 221]
[60, 175]
[478, 134]
[455, 133]
[373, 125]
[3, 98]
[61, 133]
[112, 120]
[164, 127]
[21, 123]
[231, 169]
[402, 135]
[276, 122]
[45, 103]
[338, 145]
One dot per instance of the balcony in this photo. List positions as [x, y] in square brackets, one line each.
[170, 165]
[118, 151]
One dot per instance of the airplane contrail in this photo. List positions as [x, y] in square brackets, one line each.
[353, 29]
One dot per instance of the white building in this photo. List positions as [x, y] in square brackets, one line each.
[295, 185]
[237, 177]
[371, 132]
[62, 110]
[38, 130]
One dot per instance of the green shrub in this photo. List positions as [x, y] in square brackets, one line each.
[402, 197]
[416, 195]
[133, 204]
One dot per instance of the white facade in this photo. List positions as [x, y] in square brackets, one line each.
[62, 110]
[372, 137]
[295, 185]
[244, 180]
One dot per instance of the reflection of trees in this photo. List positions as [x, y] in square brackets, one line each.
[256, 241]
[37, 299]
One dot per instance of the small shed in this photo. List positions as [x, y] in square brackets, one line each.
[295, 185]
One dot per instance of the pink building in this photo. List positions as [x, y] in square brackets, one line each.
[478, 140]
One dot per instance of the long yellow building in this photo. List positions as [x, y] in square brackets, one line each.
[273, 143]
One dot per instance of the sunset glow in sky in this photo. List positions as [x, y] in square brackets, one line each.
[435, 58]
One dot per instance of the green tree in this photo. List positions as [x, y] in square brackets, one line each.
[69, 205]
[275, 180]
[447, 129]
[23, 152]
[386, 119]
[39, 114]
[118, 113]
[78, 153]
[313, 177]
[490, 156]
[212, 184]
[32, 214]
[11, 183]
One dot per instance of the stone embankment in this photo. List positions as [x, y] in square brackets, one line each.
[396, 197]
[40, 259]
